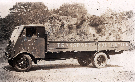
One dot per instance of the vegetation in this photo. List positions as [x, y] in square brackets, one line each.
[70, 22]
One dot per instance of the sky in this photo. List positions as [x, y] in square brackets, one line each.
[94, 7]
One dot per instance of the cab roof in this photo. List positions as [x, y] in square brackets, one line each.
[33, 25]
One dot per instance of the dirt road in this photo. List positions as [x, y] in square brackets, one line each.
[120, 68]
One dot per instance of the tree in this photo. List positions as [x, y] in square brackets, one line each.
[74, 10]
[30, 12]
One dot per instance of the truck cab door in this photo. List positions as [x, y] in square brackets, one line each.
[36, 41]
[40, 42]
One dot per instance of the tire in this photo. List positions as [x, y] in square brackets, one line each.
[11, 63]
[23, 63]
[84, 61]
[99, 60]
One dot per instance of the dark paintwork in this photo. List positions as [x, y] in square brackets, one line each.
[32, 45]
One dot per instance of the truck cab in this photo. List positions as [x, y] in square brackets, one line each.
[26, 40]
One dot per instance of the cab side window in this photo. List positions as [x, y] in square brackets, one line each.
[31, 32]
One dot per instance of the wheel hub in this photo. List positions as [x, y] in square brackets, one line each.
[101, 60]
[22, 63]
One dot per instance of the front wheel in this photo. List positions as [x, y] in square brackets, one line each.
[99, 60]
[23, 63]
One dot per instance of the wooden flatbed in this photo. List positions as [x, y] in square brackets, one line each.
[57, 46]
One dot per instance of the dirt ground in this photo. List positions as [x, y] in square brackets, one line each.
[120, 68]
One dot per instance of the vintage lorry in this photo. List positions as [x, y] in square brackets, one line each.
[29, 43]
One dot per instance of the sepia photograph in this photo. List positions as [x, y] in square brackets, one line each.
[67, 41]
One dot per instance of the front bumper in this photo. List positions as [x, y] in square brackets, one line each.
[8, 50]
[7, 55]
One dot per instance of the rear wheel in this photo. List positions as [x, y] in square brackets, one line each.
[84, 61]
[99, 60]
[23, 63]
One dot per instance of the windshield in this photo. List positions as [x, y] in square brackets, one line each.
[16, 33]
